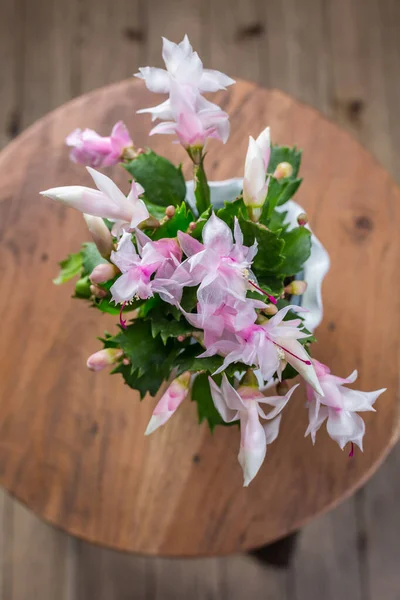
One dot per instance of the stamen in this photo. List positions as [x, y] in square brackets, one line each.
[351, 453]
[270, 298]
[306, 362]
[121, 320]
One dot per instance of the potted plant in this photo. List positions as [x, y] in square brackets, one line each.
[217, 285]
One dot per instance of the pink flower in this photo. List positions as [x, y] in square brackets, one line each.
[158, 258]
[185, 67]
[339, 406]
[219, 265]
[89, 148]
[107, 201]
[193, 127]
[269, 346]
[170, 401]
[188, 115]
[104, 358]
[244, 404]
[255, 182]
[218, 321]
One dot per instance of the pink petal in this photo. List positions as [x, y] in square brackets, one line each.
[277, 402]
[227, 414]
[253, 445]
[189, 244]
[232, 398]
[217, 235]
[124, 289]
[271, 430]
[125, 256]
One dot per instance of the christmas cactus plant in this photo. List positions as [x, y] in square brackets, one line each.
[207, 298]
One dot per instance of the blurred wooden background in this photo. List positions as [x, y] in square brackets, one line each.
[340, 56]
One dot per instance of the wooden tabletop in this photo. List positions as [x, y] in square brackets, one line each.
[71, 441]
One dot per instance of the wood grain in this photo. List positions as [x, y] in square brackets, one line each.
[71, 444]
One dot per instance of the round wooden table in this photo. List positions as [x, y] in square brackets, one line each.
[71, 442]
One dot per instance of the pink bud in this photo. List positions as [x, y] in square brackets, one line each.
[296, 288]
[170, 211]
[192, 226]
[284, 169]
[103, 358]
[100, 234]
[302, 219]
[103, 272]
[97, 291]
[169, 402]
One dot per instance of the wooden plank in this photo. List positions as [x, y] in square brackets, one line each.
[37, 559]
[112, 36]
[326, 563]
[363, 71]
[246, 577]
[108, 575]
[386, 75]
[181, 579]
[10, 56]
[348, 98]
[236, 32]
[49, 58]
[380, 526]
[187, 19]
[5, 540]
[296, 50]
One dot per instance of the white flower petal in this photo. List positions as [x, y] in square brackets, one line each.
[227, 414]
[212, 81]
[156, 80]
[253, 445]
[217, 235]
[108, 187]
[344, 427]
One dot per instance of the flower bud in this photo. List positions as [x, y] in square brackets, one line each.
[103, 272]
[169, 402]
[270, 310]
[192, 226]
[170, 211]
[97, 291]
[282, 387]
[296, 288]
[284, 169]
[103, 358]
[100, 234]
[302, 219]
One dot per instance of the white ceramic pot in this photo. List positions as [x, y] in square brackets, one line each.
[316, 266]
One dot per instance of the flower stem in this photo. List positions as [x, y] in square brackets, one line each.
[201, 187]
